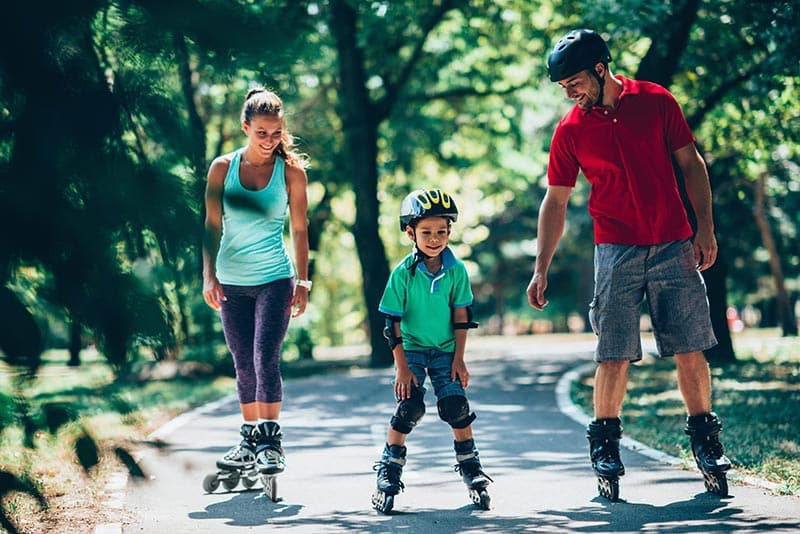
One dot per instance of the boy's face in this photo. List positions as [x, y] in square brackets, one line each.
[431, 235]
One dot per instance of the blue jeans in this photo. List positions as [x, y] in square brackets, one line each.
[437, 365]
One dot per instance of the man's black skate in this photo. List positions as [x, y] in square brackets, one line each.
[238, 464]
[390, 469]
[270, 461]
[469, 466]
[709, 455]
[604, 436]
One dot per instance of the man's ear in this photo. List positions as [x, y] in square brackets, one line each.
[410, 233]
[600, 69]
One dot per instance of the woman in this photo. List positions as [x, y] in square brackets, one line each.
[248, 274]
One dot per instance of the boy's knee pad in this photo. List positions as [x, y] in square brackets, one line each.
[454, 411]
[409, 412]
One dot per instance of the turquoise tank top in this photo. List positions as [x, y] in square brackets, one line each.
[252, 250]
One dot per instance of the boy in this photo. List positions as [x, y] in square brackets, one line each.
[427, 307]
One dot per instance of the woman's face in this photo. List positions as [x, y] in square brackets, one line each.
[264, 134]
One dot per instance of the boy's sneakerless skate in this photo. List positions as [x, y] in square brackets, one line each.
[237, 464]
[709, 455]
[469, 465]
[390, 469]
[270, 461]
[604, 436]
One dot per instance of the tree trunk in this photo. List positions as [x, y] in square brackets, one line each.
[661, 60]
[361, 132]
[75, 343]
[198, 162]
[785, 311]
[715, 276]
[659, 65]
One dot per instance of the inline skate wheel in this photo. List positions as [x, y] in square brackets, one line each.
[717, 484]
[608, 488]
[481, 498]
[271, 488]
[230, 482]
[382, 502]
[211, 483]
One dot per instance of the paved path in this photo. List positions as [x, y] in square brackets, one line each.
[334, 430]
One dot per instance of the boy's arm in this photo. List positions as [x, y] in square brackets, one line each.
[459, 370]
[404, 377]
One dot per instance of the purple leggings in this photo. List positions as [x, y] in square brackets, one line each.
[255, 319]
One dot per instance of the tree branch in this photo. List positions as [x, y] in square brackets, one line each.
[393, 87]
[716, 96]
[463, 92]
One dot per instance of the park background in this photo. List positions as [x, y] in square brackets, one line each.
[111, 111]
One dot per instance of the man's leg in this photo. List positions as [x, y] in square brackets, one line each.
[694, 382]
[610, 383]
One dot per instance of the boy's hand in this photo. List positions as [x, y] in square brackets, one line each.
[403, 381]
[459, 372]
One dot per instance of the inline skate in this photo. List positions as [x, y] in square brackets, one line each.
[703, 431]
[469, 466]
[270, 461]
[238, 464]
[604, 436]
[389, 469]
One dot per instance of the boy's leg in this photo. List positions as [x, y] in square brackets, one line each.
[409, 411]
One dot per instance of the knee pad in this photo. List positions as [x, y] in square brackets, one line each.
[409, 412]
[454, 411]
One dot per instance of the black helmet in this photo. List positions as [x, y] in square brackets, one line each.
[427, 203]
[578, 50]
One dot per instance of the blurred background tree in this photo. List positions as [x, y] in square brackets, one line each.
[110, 112]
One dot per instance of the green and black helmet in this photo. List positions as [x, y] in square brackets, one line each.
[576, 51]
[427, 203]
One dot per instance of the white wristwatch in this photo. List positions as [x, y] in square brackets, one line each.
[304, 283]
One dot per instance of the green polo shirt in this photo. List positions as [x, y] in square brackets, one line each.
[424, 302]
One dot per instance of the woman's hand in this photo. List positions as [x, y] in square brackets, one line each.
[212, 292]
[299, 301]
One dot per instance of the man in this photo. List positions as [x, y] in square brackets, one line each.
[623, 135]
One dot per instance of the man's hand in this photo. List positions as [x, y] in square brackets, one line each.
[536, 290]
[705, 249]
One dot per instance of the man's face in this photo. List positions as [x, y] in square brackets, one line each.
[583, 88]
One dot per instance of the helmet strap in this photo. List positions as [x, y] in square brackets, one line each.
[419, 257]
[602, 81]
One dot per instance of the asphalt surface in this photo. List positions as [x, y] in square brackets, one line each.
[535, 450]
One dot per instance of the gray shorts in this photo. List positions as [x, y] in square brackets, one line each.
[676, 295]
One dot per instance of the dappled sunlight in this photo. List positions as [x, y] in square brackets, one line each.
[553, 457]
[774, 385]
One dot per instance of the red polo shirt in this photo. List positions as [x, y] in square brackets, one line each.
[625, 154]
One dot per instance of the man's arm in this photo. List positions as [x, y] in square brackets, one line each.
[698, 188]
[552, 215]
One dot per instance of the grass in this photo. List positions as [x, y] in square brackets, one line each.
[757, 399]
[42, 418]
[62, 405]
